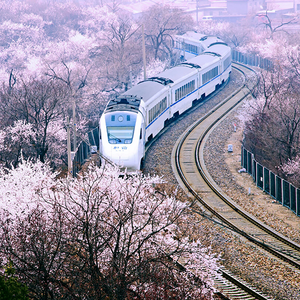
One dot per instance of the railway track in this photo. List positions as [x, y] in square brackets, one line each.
[190, 170]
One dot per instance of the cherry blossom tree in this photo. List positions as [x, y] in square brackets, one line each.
[101, 236]
[273, 133]
[234, 34]
[272, 130]
[153, 68]
[15, 143]
[161, 23]
[268, 23]
[95, 47]
[38, 107]
[291, 169]
[121, 50]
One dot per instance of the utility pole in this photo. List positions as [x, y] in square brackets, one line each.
[144, 52]
[69, 146]
[130, 77]
[74, 125]
[197, 13]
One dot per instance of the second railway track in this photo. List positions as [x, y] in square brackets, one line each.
[188, 164]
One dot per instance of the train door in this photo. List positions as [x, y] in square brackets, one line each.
[170, 101]
[197, 86]
[220, 71]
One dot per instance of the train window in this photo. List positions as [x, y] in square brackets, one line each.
[191, 48]
[141, 134]
[120, 127]
[119, 133]
[155, 111]
[227, 62]
[184, 90]
[210, 75]
[177, 44]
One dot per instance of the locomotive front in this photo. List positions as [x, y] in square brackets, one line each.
[122, 133]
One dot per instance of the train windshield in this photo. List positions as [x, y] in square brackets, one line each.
[120, 127]
[120, 133]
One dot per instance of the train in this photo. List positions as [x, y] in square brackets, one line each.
[192, 44]
[135, 117]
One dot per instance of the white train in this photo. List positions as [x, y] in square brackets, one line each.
[193, 43]
[140, 113]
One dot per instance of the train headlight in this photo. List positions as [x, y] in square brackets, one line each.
[127, 141]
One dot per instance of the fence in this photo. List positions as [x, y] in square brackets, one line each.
[281, 190]
[252, 60]
[84, 150]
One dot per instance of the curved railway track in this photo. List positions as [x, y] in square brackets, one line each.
[190, 170]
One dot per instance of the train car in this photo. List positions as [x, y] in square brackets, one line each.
[189, 44]
[192, 44]
[139, 114]
[221, 48]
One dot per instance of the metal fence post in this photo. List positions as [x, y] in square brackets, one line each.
[281, 190]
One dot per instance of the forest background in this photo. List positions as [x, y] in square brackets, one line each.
[57, 55]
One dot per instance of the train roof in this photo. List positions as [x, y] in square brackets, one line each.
[208, 40]
[205, 40]
[124, 102]
[178, 72]
[146, 89]
[156, 85]
[220, 48]
[205, 59]
[191, 36]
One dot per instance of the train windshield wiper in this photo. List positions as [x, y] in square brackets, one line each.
[114, 137]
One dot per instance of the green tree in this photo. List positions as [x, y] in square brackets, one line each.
[10, 287]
